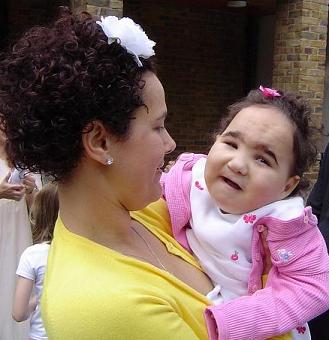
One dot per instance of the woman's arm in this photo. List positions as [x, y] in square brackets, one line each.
[24, 304]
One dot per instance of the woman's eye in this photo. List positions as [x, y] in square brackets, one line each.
[231, 144]
[160, 128]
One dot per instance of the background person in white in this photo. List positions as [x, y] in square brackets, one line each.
[15, 236]
[31, 269]
[32, 265]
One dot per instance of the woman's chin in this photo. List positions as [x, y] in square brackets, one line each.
[141, 202]
[157, 193]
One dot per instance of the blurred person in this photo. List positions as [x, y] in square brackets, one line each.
[31, 268]
[319, 201]
[15, 235]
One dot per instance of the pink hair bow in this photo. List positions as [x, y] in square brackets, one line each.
[267, 92]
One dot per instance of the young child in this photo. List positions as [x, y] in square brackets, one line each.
[31, 267]
[218, 204]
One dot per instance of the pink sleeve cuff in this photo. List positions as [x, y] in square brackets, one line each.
[214, 324]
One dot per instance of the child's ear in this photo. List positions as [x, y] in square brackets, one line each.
[291, 185]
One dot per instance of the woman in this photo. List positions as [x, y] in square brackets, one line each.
[15, 236]
[92, 115]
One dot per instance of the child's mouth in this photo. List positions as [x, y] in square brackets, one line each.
[232, 184]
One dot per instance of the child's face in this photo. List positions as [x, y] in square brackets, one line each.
[250, 163]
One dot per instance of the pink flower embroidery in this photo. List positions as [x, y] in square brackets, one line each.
[301, 329]
[235, 256]
[198, 185]
[267, 92]
[249, 218]
[284, 255]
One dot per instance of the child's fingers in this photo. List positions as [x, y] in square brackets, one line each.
[169, 166]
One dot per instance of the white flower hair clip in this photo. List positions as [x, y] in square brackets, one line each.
[129, 35]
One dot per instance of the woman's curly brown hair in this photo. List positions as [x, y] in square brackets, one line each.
[58, 79]
[298, 111]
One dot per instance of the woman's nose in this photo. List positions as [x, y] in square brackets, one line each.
[170, 143]
[238, 165]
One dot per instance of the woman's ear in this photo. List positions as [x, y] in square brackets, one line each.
[96, 142]
[291, 185]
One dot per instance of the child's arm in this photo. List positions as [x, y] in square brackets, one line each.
[176, 185]
[297, 288]
[24, 304]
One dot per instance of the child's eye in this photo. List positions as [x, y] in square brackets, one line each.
[263, 160]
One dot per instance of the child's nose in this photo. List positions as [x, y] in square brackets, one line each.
[238, 165]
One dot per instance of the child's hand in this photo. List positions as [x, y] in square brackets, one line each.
[267, 254]
[169, 166]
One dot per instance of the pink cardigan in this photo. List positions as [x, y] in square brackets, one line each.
[297, 289]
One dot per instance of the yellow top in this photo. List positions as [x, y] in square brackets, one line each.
[92, 292]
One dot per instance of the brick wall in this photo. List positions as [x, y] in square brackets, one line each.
[201, 54]
[105, 7]
[300, 52]
[78, 5]
[300, 55]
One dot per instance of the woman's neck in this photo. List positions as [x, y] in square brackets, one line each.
[88, 213]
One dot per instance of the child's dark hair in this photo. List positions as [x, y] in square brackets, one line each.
[44, 212]
[298, 111]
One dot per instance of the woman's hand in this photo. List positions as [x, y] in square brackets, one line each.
[30, 189]
[29, 184]
[11, 191]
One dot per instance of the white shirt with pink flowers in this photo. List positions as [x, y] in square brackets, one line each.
[222, 242]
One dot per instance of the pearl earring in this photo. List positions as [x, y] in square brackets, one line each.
[109, 160]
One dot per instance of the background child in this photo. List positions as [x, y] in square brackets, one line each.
[31, 267]
[252, 177]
